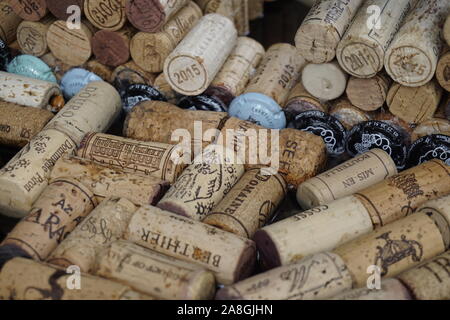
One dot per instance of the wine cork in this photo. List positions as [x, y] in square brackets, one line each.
[412, 57]
[71, 46]
[75, 80]
[59, 209]
[108, 182]
[446, 32]
[393, 248]
[23, 279]
[241, 16]
[255, 9]
[443, 71]
[106, 14]
[325, 81]
[319, 229]
[195, 62]
[99, 69]
[59, 8]
[414, 105]
[391, 289]
[368, 94]
[317, 277]
[31, 10]
[155, 274]
[32, 36]
[432, 126]
[58, 67]
[229, 257]
[145, 158]
[112, 48]
[439, 211]
[250, 205]
[362, 50]
[352, 176]
[165, 89]
[18, 125]
[130, 73]
[431, 280]
[300, 100]
[150, 50]
[323, 28]
[348, 114]
[9, 21]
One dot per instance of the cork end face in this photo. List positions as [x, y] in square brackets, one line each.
[202, 286]
[146, 15]
[307, 197]
[268, 251]
[14, 202]
[150, 50]
[246, 262]
[110, 48]
[375, 58]
[317, 43]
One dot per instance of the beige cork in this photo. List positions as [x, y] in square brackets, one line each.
[131, 73]
[195, 62]
[443, 71]
[24, 178]
[106, 14]
[9, 21]
[22, 279]
[255, 9]
[317, 277]
[241, 16]
[150, 50]
[99, 69]
[230, 257]
[104, 225]
[164, 87]
[391, 289]
[348, 114]
[319, 229]
[346, 179]
[362, 50]
[300, 100]
[60, 208]
[31, 10]
[368, 94]
[18, 125]
[393, 248]
[58, 67]
[446, 31]
[112, 48]
[323, 28]
[32, 36]
[414, 105]
[432, 126]
[108, 182]
[158, 275]
[412, 57]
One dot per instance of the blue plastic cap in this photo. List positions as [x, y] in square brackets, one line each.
[31, 67]
[75, 80]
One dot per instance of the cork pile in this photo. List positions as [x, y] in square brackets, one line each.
[139, 135]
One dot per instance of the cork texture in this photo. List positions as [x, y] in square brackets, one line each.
[106, 14]
[368, 94]
[9, 21]
[32, 36]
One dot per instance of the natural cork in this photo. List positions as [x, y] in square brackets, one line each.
[106, 14]
[9, 21]
[112, 48]
[368, 94]
[32, 36]
[30, 10]
[300, 100]
[348, 114]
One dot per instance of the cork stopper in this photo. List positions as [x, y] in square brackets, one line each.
[300, 100]
[112, 48]
[58, 67]
[391, 289]
[325, 81]
[33, 10]
[130, 73]
[59, 7]
[106, 15]
[99, 69]
[446, 31]
[368, 94]
[348, 114]
[255, 9]
[432, 126]
[443, 71]
[32, 36]
[9, 21]
[164, 87]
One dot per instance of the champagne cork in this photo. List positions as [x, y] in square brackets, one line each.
[31, 10]
[59, 8]
[195, 62]
[431, 280]
[18, 125]
[317, 277]
[150, 50]
[99, 69]
[250, 205]
[325, 81]
[72, 47]
[348, 114]
[391, 289]
[60, 208]
[112, 48]
[108, 182]
[435, 146]
[323, 28]
[165, 89]
[439, 211]
[145, 158]
[93, 109]
[362, 50]
[300, 100]
[393, 248]
[155, 274]
[130, 73]
[27, 91]
[229, 257]
[412, 57]
[368, 94]
[24, 178]
[23, 279]
[58, 67]
[352, 176]
[106, 14]
[443, 71]
[32, 36]
[255, 9]
[446, 31]
[319, 229]
[9, 21]
[103, 226]
[432, 126]
[414, 105]
[151, 15]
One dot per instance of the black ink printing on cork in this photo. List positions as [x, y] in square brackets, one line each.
[436, 146]
[136, 93]
[5, 55]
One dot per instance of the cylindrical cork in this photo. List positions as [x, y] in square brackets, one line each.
[414, 105]
[146, 158]
[241, 16]
[165, 89]
[60, 208]
[9, 21]
[195, 62]
[443, 71]
[108, 182]
[128, 74]
[446, 31]
[255, 9]
[27, 91]
[18, 125]
[32, 36]
[317, 277]
[412, 57]
[204, 184]
[155, 274]
[352, 176]
[230, 257]
[250, 205]
[71, 46]
[368, 94]
[323, 28]
[112, 48]
[106, 14]
[362, 50]
[300, 100]
[99, 69]
[348, 114]
[319, 229]
[59, 8]
[391, 289]
[393, 248]
[431, 280]
[432, 126]
[23, 279]
[106, 224]
[58, 67]
[150, 50]
[31, 10]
